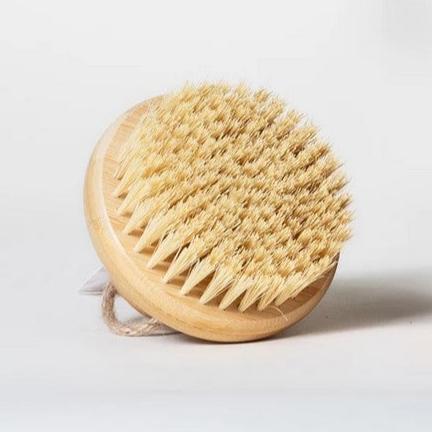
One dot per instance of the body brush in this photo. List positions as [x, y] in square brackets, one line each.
[218, 211]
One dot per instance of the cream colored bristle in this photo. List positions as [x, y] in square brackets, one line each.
[239, 287]
[238, 194]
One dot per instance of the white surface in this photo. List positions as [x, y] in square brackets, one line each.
[361, 361]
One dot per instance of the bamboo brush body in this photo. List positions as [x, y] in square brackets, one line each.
[225, 210]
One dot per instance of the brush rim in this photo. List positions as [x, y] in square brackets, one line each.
[141, 287]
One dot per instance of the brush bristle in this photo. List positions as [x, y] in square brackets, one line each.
[239, 190]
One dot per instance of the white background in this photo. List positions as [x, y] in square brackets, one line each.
[361, 361]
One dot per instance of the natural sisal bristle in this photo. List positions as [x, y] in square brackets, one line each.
[235, 188]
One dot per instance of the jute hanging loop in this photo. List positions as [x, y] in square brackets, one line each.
[145, 326]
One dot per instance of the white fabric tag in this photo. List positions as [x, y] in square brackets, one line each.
[95, 284]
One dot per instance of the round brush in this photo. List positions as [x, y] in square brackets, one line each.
[218, 211]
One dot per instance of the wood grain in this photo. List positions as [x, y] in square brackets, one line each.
[143, 288]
